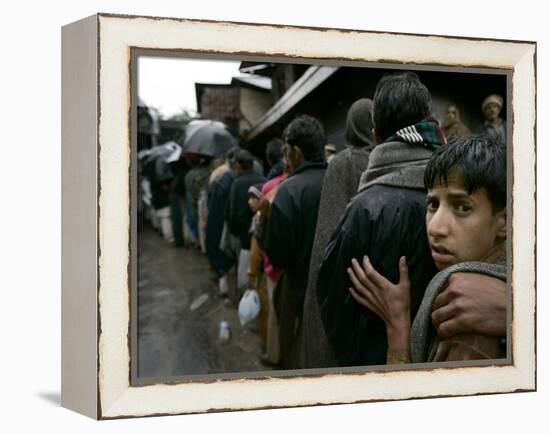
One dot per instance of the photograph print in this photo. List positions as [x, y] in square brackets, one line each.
[294, 217]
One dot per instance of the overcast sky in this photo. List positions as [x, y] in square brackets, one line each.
[168, 84]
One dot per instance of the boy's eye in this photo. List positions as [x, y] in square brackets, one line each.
[463, 207]
[432, 204]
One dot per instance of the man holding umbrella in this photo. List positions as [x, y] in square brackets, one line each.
[208, 138]
[204, 140]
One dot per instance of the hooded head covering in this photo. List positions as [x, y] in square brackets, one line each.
[255, 190]
[495, 99]
[359, 123]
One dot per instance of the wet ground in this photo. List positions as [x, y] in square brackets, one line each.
[179, 311]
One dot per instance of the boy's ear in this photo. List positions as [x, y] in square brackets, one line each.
[501, 223]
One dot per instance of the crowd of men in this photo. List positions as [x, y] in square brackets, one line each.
[393, 252]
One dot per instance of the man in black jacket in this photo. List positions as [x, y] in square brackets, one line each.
[385, 220]
[238, 214]
[291, 229]
[218, 197]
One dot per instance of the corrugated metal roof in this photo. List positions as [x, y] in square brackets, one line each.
[254, 80]
[308, 82]
[259, 68]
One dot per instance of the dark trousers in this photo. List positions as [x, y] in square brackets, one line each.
[176, 216]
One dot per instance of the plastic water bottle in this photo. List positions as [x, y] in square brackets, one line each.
[224, 331]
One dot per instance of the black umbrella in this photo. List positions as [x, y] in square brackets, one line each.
[155, 162]
[209, 138]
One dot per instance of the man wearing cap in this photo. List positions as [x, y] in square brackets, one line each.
[494, 126]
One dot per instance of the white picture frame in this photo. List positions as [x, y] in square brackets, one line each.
[96, 140]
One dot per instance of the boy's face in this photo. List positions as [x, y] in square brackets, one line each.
[462, 227]
[253, 203]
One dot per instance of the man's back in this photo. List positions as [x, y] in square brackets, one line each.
[293, 220]
[385, 223]
[218, 196]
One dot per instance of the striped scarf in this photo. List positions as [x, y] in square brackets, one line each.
[426, 132]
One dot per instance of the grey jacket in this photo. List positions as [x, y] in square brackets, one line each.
[423, 338]
[339, 186]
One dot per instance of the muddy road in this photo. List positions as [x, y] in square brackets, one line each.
[179, 311]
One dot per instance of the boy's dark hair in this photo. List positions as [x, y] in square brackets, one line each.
[480, 161]
[400, 100]
[308, 134]
[273, 151]
[245, 159]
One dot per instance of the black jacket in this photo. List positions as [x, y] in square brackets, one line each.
[385, 223]
[218, 196]
[238, 213]
[291, 229]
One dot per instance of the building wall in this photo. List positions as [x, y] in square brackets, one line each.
[284, 76]
[253, 105]
[221, 104]
[332, 99]
[467, 92]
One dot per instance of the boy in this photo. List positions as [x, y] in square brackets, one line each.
[466, 227]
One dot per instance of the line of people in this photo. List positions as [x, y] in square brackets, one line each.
[393, 252]
[363, 222]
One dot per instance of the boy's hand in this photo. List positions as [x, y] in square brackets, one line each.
[471, 303]
[389, 301]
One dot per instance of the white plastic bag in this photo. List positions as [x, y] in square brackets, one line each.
[249, 307]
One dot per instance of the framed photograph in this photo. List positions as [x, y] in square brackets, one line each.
[184, 293]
